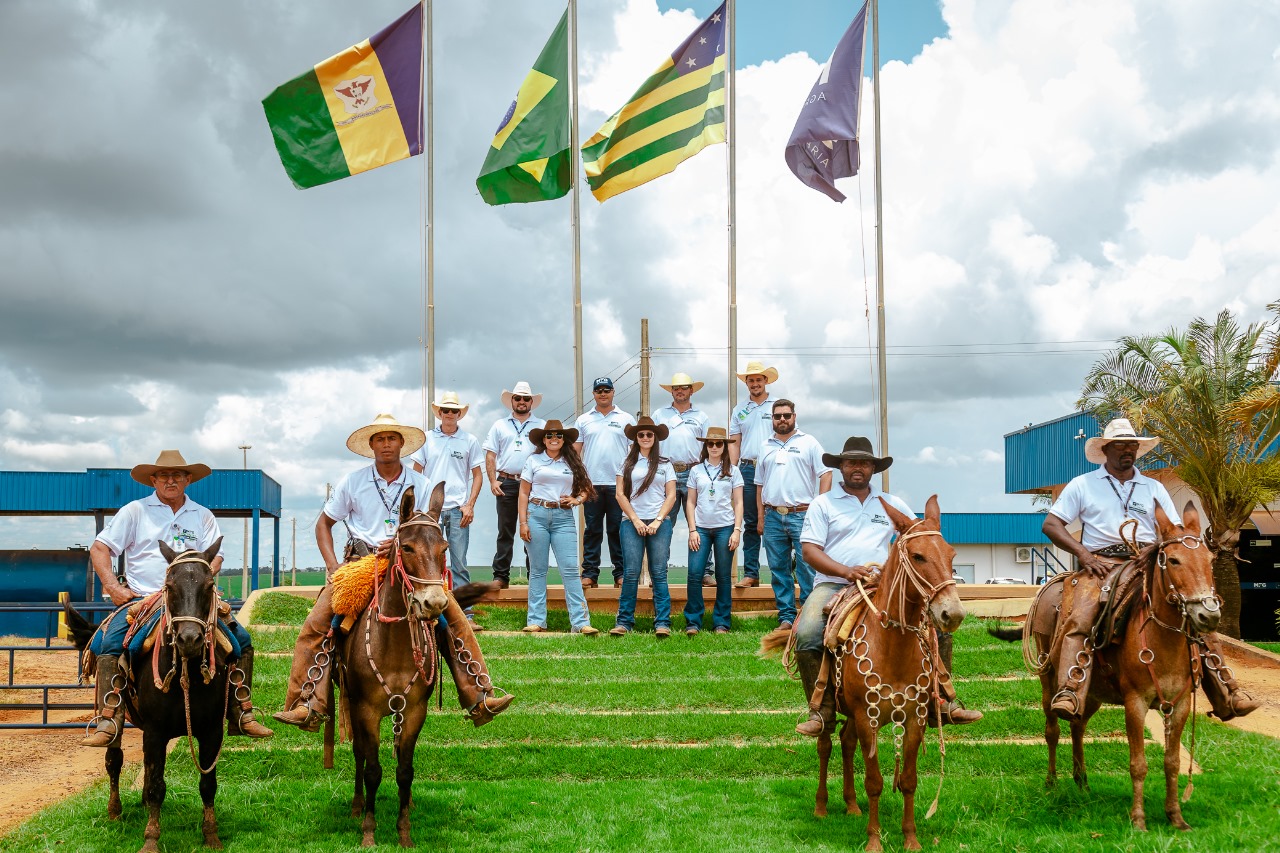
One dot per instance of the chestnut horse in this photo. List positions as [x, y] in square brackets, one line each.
[1152, 664]
[185, 645]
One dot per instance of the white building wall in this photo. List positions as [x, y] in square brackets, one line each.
[978, 563]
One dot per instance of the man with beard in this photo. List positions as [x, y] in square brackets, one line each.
[790, 474]
[506, 448]
[846, 532]
[1102, 501]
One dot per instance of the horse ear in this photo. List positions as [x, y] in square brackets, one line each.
[437, 501]
[212, 551]
[407, 504]
[1163, 525]
[932, 511]
[168, 553]
[900, 519]
[1190, 518]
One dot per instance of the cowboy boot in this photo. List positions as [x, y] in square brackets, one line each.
[240, 717]
[307, 698]
[466, 664]
[953, 710]
[109, 681]
[1074, 656]
[815, 668]
[1219, 682]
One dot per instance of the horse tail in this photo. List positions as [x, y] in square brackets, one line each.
[773, 644]
[1008, 633]
[1031, 658]
[473, 593]
[80, 628]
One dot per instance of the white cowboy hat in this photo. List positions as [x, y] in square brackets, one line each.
[523, 389]
[754, 368]
[1118, 430]
[170, 460]
[358, 441]
[683, 379]
[449, 399]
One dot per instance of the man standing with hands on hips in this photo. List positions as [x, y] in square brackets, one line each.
[505, 450]
[752, 423]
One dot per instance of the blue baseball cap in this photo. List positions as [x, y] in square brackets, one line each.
[602, 382]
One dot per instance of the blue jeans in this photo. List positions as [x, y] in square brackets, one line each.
[459, 538]
[634, 548]
[781, 540]
[598, 514]
[813, 622]
[750, 539]
[554, 529]
[111, 641]
[717, 538]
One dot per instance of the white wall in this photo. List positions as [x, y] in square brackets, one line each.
[996, 561]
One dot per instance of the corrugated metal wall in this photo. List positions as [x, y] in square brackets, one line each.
[993, 528]
[53, 492]
[1048, 454]
[226, 492]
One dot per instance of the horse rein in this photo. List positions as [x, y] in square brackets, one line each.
[898, 587]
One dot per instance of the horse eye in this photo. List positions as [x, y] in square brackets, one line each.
[919, 558]
[408, 549]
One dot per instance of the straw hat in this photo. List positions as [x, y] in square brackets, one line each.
[660, 431]
[170, 460]
[856, 447]
[536, 435]
[717, 434]
[683, 379]
[1118, 430]
[449, 399]
[523, 389]
[753, 368]
[358, 441]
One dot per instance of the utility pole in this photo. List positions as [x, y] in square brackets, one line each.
[294, 582]
[244, 575]
[644, 367]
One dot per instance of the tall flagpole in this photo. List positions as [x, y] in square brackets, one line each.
[575, 222]
[730, 121]
[429, 412]
[880, 347]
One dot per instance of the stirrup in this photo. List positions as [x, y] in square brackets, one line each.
[1063, 713]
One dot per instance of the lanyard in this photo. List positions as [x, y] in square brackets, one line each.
[1124, 502]
[389, 505]
[520, 431]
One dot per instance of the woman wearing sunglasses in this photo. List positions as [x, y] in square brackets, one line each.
[713, 509]
[553, 482]
[646, 491]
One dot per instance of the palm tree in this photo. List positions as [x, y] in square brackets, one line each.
[1210, 394]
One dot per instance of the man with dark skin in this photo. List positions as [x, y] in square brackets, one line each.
[1103, 500]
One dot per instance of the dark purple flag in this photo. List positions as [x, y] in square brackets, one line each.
[824, 143]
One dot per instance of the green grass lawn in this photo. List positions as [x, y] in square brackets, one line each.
[633, 744]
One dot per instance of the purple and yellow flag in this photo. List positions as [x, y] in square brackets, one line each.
[356, 111]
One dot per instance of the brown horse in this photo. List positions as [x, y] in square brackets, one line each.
[1152, 664]
[389, 663]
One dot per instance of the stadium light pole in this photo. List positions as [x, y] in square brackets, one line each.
[244, 575]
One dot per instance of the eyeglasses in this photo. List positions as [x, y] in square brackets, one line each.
[715, 444]
[604, 390]
[451, 411]
[681, 387]
[177, 476]
[553, 436]
[519, 398]
[645, 435]
[783, 416]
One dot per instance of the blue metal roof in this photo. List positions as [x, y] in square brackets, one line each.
[1044, 455]
[229, 493]
[993, 528]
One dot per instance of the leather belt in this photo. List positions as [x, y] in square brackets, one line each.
[742, 462]
[1119, 552]
[503, 475]
[680, 467]
[561, 504]
[787, 510]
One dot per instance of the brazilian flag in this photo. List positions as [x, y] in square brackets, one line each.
[529, 156]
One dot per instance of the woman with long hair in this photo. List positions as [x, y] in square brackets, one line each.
[646, 490]
[713, 509]
[553, 482]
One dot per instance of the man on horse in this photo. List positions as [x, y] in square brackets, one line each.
[367, 501]
[1115, 496]
[136, 531]
[846, 538]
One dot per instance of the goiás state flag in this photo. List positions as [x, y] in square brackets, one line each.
[355, 111]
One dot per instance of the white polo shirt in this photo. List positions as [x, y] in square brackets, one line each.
[753, 424]
[508, 440]
[549, 479]
[1101, 503]
[371, 506]
[604, 443]
[138, 529]
[649, 502]
[788, 473]
[450, 459]
[714, 507]
[851, 532]
[682, 444]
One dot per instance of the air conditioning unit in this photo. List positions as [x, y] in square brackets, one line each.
[1022, 554]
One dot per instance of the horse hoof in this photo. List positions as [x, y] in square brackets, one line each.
[367, 841]
[820, 811]
[1180, 824]
[213, 843]
[853, 809]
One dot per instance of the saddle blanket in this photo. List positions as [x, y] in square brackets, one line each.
[353, 584]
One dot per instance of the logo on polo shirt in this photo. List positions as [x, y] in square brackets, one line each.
[792, 449]
[1138, 507]
[182, 537]
[615, 424]
[456, 454]
[881, 520]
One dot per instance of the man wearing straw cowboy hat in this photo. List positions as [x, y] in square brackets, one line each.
[136, 531]
[603, 446]
[846, 537]
[685, 424]
[453, 456]
[506, 448]
[752, 422]
[367, 501]
[1102, 501]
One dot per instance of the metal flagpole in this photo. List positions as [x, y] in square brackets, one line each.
[880, 347]
[430, 415]
[575, 222]
[730, 120]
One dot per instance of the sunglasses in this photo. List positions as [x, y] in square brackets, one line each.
[604, 390]
[715, 444]
[681, 387]
[645, 434]
[553, 436]
[177, 476]
[451, 411]
[521, 399]
[784, 416]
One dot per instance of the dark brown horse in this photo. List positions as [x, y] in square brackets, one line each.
[186, 648]
[389, 664]
[1154, 662]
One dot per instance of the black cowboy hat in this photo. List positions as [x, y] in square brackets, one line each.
[856, 447]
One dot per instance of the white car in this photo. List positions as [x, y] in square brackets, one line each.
[1004, 580]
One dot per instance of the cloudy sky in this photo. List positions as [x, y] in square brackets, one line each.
[1055, 175]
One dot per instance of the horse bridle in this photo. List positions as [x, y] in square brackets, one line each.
[206, 625]
[906, 572]
[1161, 577]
